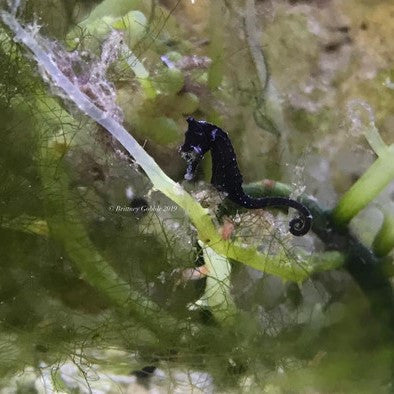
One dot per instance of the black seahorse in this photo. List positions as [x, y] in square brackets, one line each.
[202, 136]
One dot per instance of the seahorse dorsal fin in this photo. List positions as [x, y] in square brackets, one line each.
[213, 134]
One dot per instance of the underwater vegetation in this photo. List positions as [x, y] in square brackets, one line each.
[119, 273]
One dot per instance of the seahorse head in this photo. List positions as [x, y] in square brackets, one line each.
[198, 139]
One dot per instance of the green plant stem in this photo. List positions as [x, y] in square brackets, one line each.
[217, 295]
[26, 224]
[371, 183]
[215, 50]
[384, 241]
[374, 139]
[369, 129]
[271, 112]
[252, 38]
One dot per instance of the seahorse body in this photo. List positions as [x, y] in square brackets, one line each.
[202, 136]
